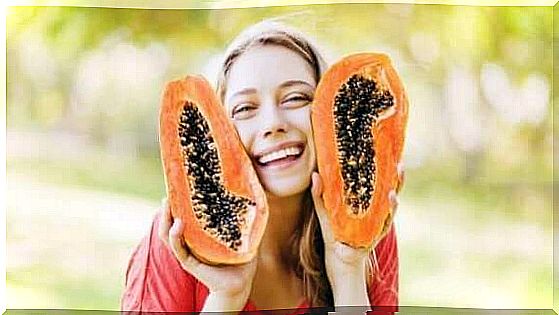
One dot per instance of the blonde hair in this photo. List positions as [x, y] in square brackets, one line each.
[308, 245]
[270, 33]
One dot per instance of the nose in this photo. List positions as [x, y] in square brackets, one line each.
[273, 122]
[273, 128]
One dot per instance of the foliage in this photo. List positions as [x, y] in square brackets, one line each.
[479, 142]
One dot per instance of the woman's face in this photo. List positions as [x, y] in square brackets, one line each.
[268, 98]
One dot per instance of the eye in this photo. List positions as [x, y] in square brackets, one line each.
[297, 99]
[243, 111]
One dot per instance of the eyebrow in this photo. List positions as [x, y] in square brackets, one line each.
[286, 84]
[291, 83]
[246, 91]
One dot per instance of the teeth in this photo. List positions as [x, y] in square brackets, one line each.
[281, 154]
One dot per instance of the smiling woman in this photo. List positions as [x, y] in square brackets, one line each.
[267, 86]
[271, 114]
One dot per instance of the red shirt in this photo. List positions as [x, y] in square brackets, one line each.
[155, 281]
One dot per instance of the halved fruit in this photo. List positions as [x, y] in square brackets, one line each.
[210, 180]
[359, 116]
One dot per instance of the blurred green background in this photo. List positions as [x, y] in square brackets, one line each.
[84, 177]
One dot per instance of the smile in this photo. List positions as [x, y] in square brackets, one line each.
[281, 154]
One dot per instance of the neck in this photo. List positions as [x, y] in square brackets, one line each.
[283, 220]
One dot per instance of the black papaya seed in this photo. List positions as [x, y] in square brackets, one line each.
[357, 106]
[220, 212]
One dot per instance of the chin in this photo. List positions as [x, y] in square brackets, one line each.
[286, 188]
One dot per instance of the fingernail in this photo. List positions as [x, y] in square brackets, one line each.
[175, 228]
[392, 195]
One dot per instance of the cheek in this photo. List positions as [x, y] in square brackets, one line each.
[245, 133]
[301, 121]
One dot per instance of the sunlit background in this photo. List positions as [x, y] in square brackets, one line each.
[84, 177]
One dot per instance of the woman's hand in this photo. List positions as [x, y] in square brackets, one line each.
[346, 267]
[229, 286]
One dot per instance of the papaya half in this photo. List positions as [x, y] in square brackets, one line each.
[359, 114]
[210, 181]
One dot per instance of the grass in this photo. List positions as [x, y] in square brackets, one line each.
[514, 194]
[61, 289]
[139, 178]
[433, 192]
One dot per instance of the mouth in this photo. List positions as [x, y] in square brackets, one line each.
[280, 155]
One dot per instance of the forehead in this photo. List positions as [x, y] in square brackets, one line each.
[266, 67]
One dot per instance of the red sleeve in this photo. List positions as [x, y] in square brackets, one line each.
[384, 288]
[155, 281]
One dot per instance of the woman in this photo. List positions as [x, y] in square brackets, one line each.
[266, 84]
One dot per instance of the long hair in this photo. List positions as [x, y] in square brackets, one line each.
[307, 242]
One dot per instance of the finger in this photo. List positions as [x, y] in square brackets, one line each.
[394, 201]
[165, 221]
[316, 191]
[350, 255]
[317, 187]
[401, 176]
[177, 246]
[186, 259]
